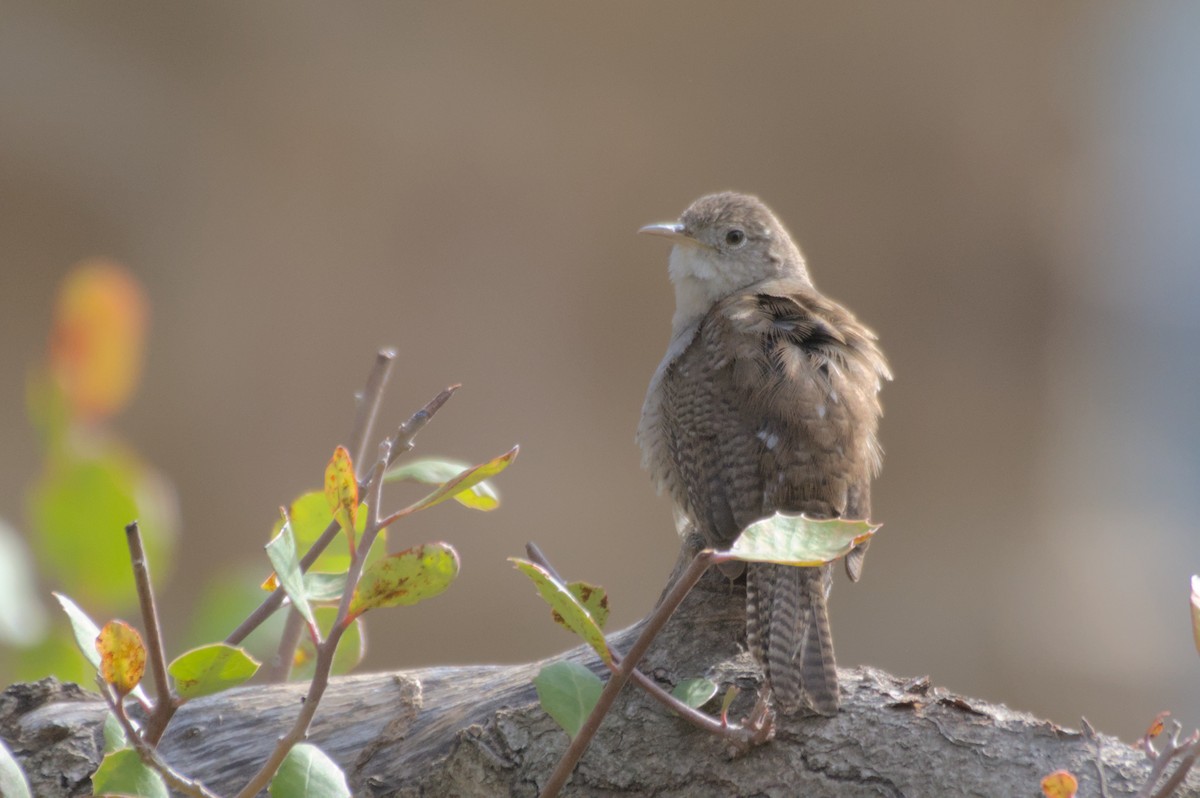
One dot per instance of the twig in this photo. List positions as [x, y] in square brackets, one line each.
[404, 437]
[402, 441]
[327, 649]
[368, 407]
[654, 624]
[164, 700]
[1090, 733]
[174, 780]
[688, 713]
[285, 652]
[1190, 749]
[537, 557]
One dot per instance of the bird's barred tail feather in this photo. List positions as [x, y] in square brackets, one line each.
[787, 630]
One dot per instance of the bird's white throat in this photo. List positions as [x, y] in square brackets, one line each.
[700, 279]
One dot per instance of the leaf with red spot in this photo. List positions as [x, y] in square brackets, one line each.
[122, 656]
[593, 598]
[406, 577]
[341, 491]
[568, 611]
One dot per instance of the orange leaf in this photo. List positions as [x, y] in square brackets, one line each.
[1059, 784]
[1156, 728]
[341, 491]
[97, 339]
[122, 655]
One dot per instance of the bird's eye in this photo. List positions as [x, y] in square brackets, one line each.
[735, 238]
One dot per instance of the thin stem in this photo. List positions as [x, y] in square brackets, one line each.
[176, 781]
[327, 649]
[1090, 733]
[285, 653]
[654, 624]
[1180, 773]
[691, 715]
[300, 728]
[368, 406]
[537, 557]
[164, 700]
[404, 438]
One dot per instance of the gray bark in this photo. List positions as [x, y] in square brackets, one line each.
[478, 731]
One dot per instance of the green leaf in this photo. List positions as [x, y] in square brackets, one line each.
[568, 692]
[309, 515]
[800, 540]
[352, 647]
[322, 587]
[78, 511]
[406, 577]
[727, 700]
[12, 779]
[85, 629]
[282, 553]
[593, 598]
[211, 669]
[56, 655]
[567, 610]
[465, 480]
[86, 632]
[114, 735]
[432, 471]
[22, 616]
[123, 773]
[307, 772]
[695, 692]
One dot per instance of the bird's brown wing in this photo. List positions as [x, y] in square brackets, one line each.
[802, 379]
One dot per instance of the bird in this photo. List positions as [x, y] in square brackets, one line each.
[766, 401]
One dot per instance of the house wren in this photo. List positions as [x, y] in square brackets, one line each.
[767, 400]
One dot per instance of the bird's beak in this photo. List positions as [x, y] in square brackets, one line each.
[672, 230]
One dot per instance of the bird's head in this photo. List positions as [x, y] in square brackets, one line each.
[724, 243]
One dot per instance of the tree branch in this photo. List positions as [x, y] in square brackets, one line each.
[478, 731]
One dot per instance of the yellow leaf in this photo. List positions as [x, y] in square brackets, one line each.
[97, 339]
[341, 491]
[1059, 784]
[569, 612]
[406, 577]
[122, 655]
[465, 481]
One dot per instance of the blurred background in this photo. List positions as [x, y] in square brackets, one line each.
[1007, 193]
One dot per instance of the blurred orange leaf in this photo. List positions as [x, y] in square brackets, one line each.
[122, 655]
[1060, 784]
[341, 491]
[97, 339]
[1156, 728]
